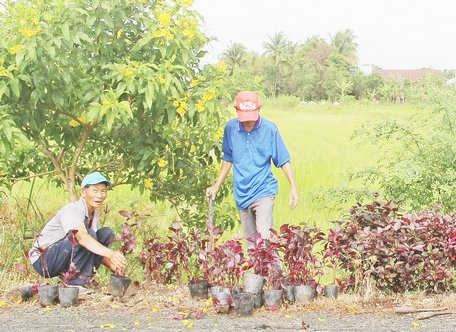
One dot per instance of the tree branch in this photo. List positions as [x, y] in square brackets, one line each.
[76, 155]
[30, 176]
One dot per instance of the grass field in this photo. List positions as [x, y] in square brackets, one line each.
[318, 138]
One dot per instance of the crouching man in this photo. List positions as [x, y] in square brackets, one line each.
[51, 253]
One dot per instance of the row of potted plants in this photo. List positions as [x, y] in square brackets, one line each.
[289, 259]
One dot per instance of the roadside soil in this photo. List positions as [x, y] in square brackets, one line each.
[150, 307]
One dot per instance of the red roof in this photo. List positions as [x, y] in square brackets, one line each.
[403, 74]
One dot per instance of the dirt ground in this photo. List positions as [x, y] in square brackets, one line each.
[159, 308]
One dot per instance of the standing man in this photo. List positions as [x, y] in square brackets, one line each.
[250, 143]
[52, 251]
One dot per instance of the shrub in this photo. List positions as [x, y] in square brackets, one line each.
[379, 247]
[301, 260]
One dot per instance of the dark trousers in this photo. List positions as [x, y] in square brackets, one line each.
[59, 255]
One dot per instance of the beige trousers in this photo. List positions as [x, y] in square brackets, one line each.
[257, 218]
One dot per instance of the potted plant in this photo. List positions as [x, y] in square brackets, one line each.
[47, 294]
[332, 262]
[119, 283]
[197, 280]
[302, 263]
[265, 262]
[229, 266]
[68, 296]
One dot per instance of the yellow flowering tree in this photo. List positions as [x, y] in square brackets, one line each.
[115, 86]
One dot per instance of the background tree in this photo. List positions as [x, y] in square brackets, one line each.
[113, 86]
[419, 157]
[234, 56]
[344, 43]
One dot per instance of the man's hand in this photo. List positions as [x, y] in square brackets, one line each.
[294, 198]
[211, 192]
[117, 262]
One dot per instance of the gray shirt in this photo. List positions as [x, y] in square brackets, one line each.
[71, 216]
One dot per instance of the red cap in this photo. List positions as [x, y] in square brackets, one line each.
[247, 106]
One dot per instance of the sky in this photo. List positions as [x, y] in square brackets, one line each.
[391, 34]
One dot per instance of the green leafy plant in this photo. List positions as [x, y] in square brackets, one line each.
[129, 99]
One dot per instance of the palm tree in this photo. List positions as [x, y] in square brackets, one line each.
[234, 56]
[276, 47]
[345, 45]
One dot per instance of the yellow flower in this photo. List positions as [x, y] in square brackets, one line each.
[35, 21]
[221, 67]
[192, 148]
[176, 103]
[201, 78]
[3, 72]
[162, 163]
[164, 19]
[82, 119]
[188, 323]
[217, 135]
[148, 183]
[200, 107]
[107, 326]
[28, 32]
[162, 80]
[183, 104]
[187, 2]
[209, 95]
[163, 33]
[136, 324]
[126, 72]
[16, 49]
[188, 33]
[181, 110]
[194, 83]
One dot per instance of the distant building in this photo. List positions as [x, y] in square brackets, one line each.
[406, 74]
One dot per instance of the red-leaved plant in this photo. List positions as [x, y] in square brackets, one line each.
[264, 259]
[394, 252]
[301, 261]
[153, 259]
[72, 273]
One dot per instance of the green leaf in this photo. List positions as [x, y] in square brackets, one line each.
[66, 32]
[149, 94]
[84, 36]
[15, 87]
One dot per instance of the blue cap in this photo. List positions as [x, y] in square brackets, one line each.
[95, 178]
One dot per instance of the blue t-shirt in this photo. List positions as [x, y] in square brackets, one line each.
[251, 155]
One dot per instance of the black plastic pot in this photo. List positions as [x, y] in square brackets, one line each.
[68, 296]
[305, 294]
[258, 300]
[289, 293]
[48, 295]
[273, 298]
[118, 285]
[331, 291]
[253, 283]
[244, 303]
[199, 289]
[236, 290]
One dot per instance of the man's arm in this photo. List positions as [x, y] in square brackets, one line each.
[224, 170]
[294, 197]
[114, 260]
